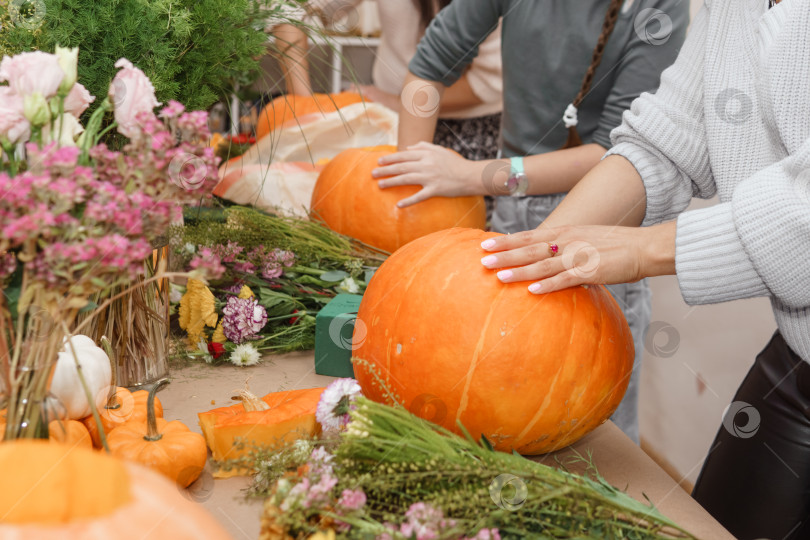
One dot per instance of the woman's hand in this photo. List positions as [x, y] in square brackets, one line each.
[584, 254]
[440, 172]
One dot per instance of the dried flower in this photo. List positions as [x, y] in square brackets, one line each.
[245, 355]
[243, 319]
[336, 402]
[219, 335]
[197, 310]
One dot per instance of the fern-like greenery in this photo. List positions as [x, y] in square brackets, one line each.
[192, 50]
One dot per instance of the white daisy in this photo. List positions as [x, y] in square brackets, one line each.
[336, 402]
[245, 355]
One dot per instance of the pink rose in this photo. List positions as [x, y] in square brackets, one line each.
[77, 100]
[131, 93]
[13, 125]
[32, 72]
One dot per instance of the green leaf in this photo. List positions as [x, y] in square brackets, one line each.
[486, 444]
[334, 275]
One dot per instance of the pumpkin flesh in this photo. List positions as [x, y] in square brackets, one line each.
[291, 416]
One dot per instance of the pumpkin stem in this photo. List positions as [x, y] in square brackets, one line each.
[151, 422]
[112, 398]
[251, 402]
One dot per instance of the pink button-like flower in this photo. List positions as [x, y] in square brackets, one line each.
[131, 93]
[13, 125]
[31, 72]
[77, 100]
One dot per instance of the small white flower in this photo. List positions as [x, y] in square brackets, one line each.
[175, 293]
[190, 248]
[336, 402]
[245, 355]
[349, 285]
[202, 347]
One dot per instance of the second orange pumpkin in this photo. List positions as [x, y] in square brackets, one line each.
[348, 200]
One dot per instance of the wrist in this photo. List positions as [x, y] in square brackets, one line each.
[658, 249]
[474, 176]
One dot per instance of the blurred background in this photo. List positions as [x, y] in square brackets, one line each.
[695, 356]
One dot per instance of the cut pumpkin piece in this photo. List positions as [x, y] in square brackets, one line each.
[270, 422]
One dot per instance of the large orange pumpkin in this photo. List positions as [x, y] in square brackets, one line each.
[287, 108]
[453, 344]
[348, 200]
[59, 492]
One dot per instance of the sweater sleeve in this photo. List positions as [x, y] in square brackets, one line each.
[452, 39]
[761, 237]
[659, 32]
[663, 134]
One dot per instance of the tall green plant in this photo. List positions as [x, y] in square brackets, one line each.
[192, 50]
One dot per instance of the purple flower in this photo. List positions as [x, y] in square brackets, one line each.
[243, 319]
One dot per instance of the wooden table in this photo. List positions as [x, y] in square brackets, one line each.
[199, 387]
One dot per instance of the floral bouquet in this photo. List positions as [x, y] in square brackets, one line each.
[78, 220]
[273, 275]
[380, 472]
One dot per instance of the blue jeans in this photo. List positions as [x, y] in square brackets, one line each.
[515, 214]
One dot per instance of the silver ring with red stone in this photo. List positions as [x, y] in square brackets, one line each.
[553, 249]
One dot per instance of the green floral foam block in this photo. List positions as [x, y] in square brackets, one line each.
[334, 326]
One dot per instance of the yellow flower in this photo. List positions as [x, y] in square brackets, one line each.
[320, 535]
[197, 311]
[245, 292]
[219, 334]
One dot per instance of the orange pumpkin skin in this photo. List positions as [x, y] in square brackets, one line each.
[533, 373]
[132, 407]
[65, 493]
[179, 455]
[288, 108]
[348, 200]
[71, 432]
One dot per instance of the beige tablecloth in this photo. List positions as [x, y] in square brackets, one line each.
[198, 388]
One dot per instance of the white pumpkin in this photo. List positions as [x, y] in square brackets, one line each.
[66, 385]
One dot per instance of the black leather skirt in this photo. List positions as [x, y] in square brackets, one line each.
[756, 478]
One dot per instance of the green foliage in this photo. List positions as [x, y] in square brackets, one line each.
[192, 50]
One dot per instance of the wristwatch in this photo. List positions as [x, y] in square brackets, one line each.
[517, 184]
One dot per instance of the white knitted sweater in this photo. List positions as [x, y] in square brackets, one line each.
[732, 118]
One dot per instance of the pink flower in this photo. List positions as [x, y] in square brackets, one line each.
[172, 110]
[243, 319]
[13, 125]
[77, 100]
[31, 72]
[208, 263]
[351, 500]
[131, 94]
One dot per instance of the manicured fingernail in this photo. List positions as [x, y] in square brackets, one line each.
[488, 244]
[534, 288]
[489, 260]
[504, 274]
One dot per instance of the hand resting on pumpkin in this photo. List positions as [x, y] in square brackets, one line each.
[589, 254]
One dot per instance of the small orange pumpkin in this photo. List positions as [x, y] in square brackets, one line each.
[70, 432]
[348, 200]
[168, 447]
[270, 422]
[122, 407]
[287, 108]
[532, 373]
[59, 492]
